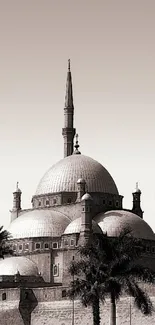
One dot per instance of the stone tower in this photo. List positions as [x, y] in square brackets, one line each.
[137, 202]
[86, 220]
[16, 203]
[68, 131]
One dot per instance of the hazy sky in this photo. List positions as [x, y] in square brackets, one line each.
[111, 45]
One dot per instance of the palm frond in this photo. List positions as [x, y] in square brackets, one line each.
[141, 298]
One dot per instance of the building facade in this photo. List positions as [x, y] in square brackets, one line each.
[75, 197]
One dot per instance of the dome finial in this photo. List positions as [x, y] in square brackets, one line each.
[69, 64]
[137, 190]
[77, 152]
[17, 188]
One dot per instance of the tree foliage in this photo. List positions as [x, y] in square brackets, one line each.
[109, 267]
[5, 248]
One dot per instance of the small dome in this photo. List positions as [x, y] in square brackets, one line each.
[39, 223]
[113, 222]
[63, 176]
[137, 190]
[86, 197]
[81, 181]
[75, 227]
[18, 264]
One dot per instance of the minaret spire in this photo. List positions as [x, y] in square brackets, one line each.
[68, 131]
[69, 64]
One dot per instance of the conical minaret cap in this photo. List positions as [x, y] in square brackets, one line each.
[69, 89]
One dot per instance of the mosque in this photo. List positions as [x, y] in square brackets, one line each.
[76, 197]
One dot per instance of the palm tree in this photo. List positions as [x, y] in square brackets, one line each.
[108, 268]
[5, 248]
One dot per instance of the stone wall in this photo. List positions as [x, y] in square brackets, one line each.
[60, 313]
[47, 307]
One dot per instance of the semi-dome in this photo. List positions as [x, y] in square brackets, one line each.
[86, 197]
[15, 264]
[39, 223]
[63, 176]
[75, 227]
[113, 222]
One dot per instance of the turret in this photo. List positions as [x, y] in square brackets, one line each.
[137, 202]
[81, 188]
[86, 220]
[68, 131]
[16, 203]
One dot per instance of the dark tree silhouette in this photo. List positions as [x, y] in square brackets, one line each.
[5, 248]
[109, 267]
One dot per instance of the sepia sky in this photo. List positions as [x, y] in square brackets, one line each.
[111, 45]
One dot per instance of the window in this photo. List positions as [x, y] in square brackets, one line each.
[55, 245]
[55, 270]
[69, 200]
[47, 202]
[110, 203]
[39, 203]
[66, 242]
[4, 296]
[14, 247]
[37, 245]
[26, 295]
[117, 203]
[64, 293]
[20, 247]
[103, 201]
[153, 249]
[54, 201]
[46, 245]
[72, 242]
[27, 246]
[148, 249]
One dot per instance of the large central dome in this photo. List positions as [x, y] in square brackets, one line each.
[63, 176]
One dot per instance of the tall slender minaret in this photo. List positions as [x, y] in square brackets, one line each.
[68, 131]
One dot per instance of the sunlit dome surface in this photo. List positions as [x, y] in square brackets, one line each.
[63, 176]
[113, 222]
[39, 223]
[75, 226]
[23, 265]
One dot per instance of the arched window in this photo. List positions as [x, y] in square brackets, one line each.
[4, 296]
[117, 203]
[55, 270]
[46, 245]
[14, 247]
[72, 242]
[55, 245]
[20, 247]
[64, 293]
[37, 245]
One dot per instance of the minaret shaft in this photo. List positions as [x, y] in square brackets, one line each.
[68, 131]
